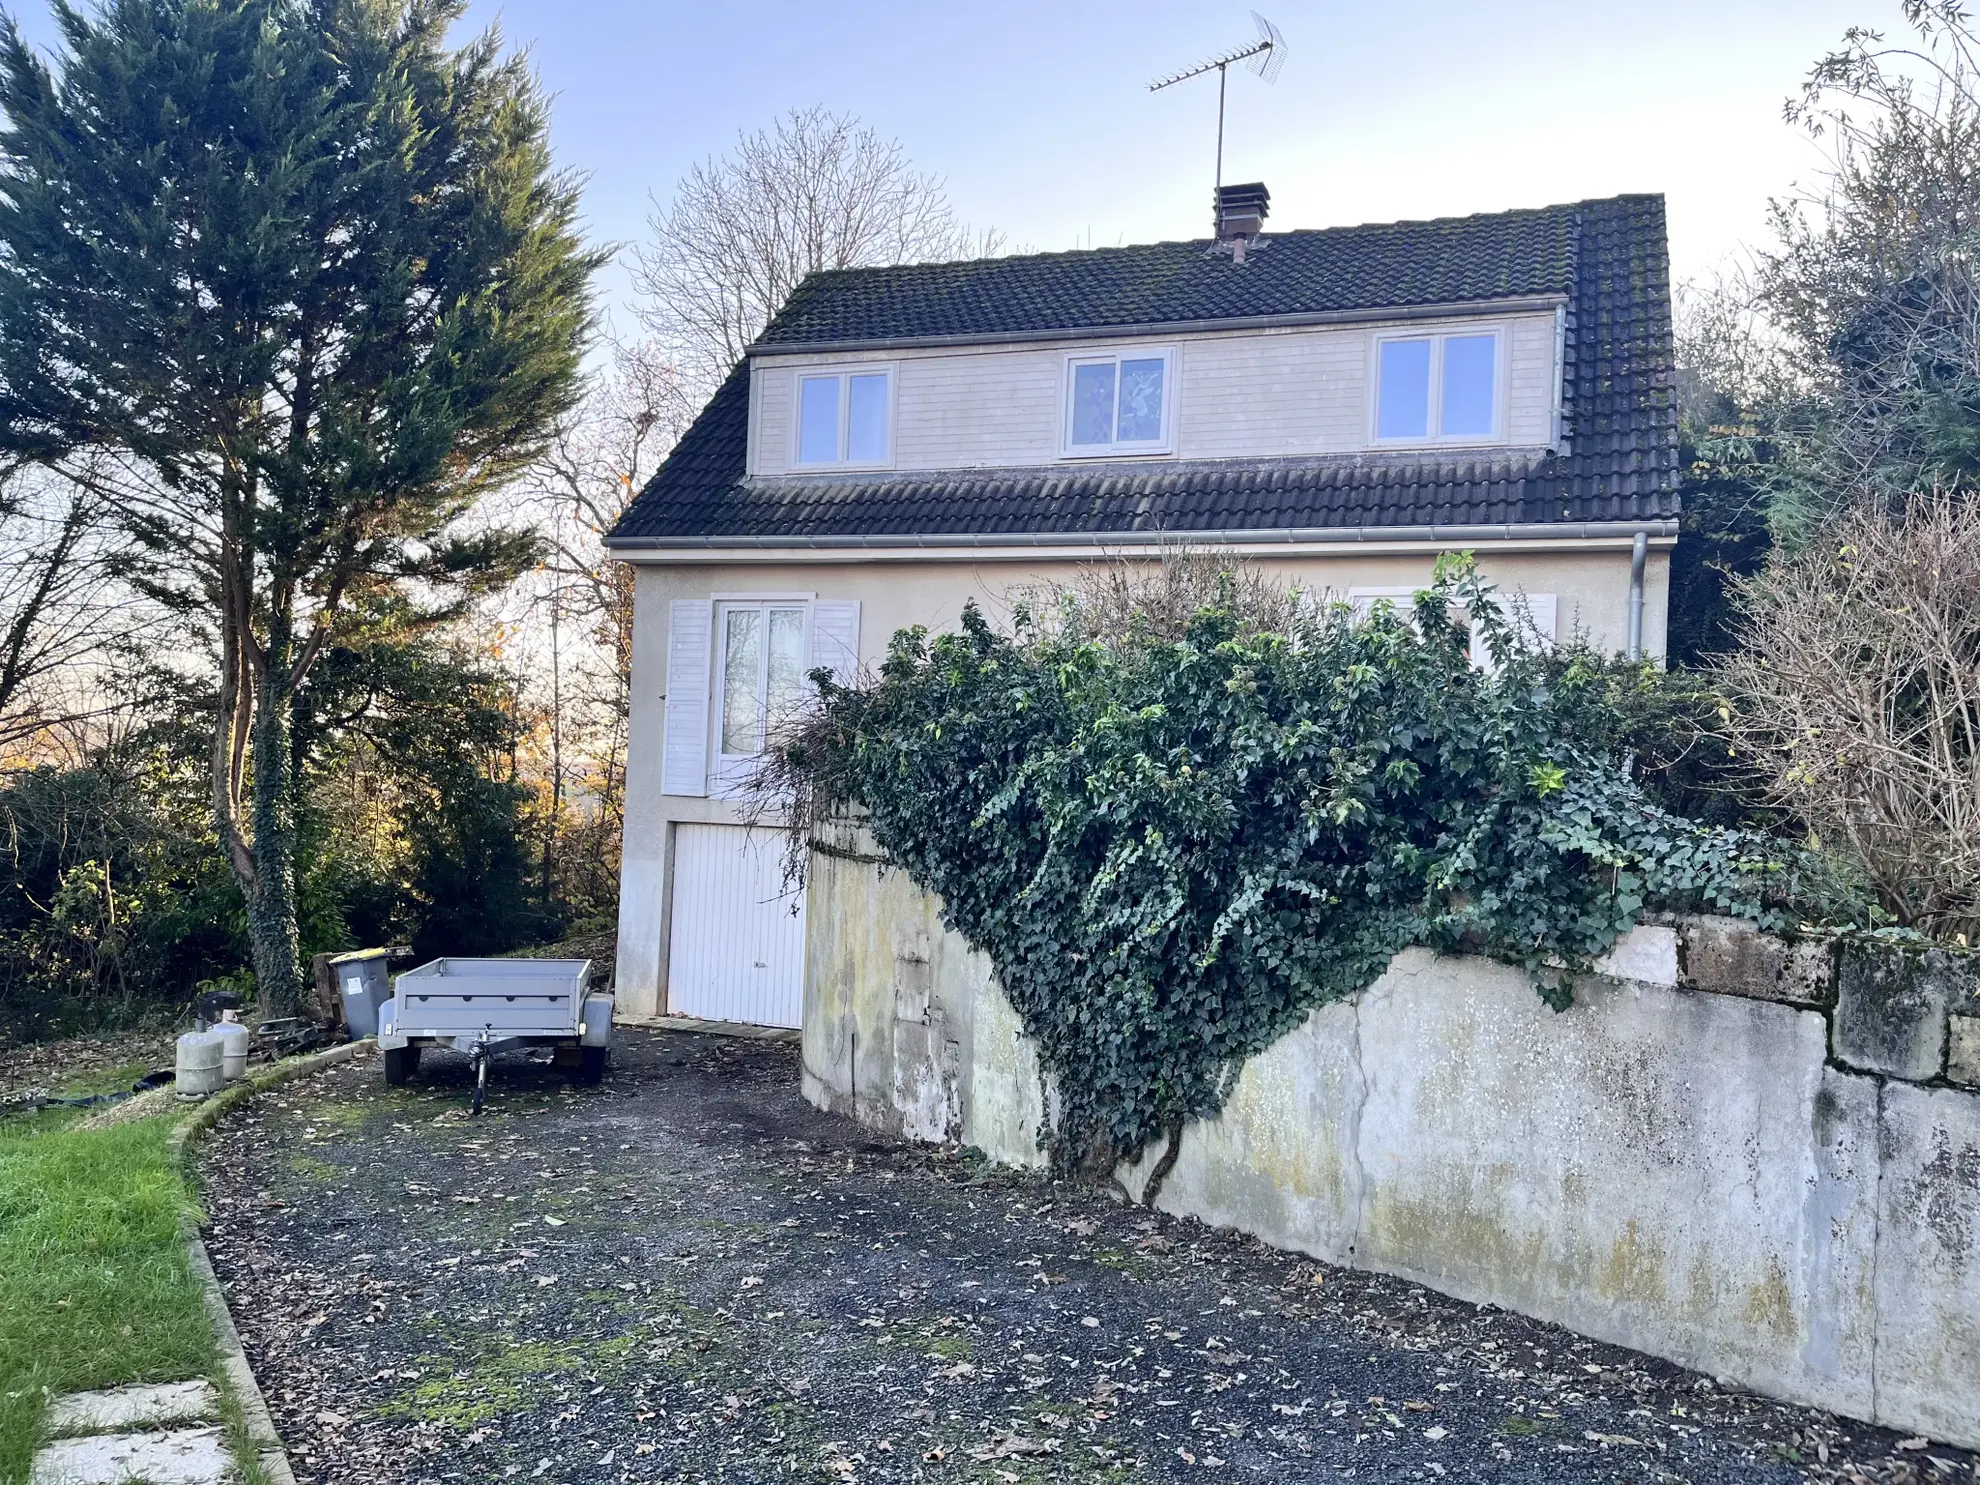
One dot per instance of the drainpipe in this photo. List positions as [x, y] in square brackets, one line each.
[1639, 557]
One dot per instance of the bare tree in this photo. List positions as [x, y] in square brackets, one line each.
[1857, 696]
[64, 604]
[816, 190]
[573, 649]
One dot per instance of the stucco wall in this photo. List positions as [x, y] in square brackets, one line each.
[1697, 1163]
[1591, 582]
[1283, 392]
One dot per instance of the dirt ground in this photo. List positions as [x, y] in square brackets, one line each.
[689, 1274]
[34, 1069]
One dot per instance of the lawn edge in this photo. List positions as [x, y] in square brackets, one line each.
[252, 1423]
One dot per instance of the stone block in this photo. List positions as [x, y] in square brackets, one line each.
[194, 1456]
[1963, 1049]
[133, 1407]
[1730, 956]
[1647, 954]
[1928, 1264]
[1891, 1006]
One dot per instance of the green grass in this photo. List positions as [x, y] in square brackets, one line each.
[94, 1286]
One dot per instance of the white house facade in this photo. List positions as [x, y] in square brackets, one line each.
[1340, 406]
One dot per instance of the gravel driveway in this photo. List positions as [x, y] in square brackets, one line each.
[689, 1274]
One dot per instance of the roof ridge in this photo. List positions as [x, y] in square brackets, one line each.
[1342, 228]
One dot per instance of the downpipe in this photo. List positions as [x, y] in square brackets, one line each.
[1639, 559]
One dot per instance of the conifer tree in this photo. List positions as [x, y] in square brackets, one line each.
[307, 275]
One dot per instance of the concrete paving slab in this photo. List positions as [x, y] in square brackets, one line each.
[187, 1456]
[123, 1408]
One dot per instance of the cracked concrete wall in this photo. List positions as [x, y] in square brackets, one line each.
[905, 1027]
[1697, 1174]
[1928, 1262]
[1643, 1168]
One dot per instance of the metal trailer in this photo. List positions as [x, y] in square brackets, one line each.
[485, 1006]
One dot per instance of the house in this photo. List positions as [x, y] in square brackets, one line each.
[1342, 405]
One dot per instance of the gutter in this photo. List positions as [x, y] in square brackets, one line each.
[1085, 544]
[1510, 305]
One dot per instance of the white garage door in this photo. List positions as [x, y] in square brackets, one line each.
[738, 947]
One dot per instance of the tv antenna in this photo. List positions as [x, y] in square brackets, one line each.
[1265, 57]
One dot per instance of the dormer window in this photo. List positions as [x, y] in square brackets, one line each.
[1438, 388]
[845, 419]
[1119, 404]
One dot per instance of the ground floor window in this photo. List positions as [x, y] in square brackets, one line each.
[761, 672]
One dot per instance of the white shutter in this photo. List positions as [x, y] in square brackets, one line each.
[690, 638]
[1541, 608]
[1530, 616]
[835, 639]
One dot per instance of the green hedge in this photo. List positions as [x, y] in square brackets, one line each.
[1174, 846]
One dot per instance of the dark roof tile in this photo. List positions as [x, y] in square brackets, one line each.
[1607, 257]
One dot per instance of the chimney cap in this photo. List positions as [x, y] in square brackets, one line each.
[1240, 214]
[1252, 194]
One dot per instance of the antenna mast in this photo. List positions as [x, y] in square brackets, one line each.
[1264, 57]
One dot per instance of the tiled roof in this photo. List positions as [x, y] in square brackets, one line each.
[1606, 257]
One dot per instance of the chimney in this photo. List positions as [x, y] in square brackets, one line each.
[1240, 213]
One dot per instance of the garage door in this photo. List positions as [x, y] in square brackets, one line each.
[738, 947]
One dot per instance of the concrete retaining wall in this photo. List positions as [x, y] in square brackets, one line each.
[1752, 1158]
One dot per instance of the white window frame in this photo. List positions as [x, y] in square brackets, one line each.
[844, 375]
[725, 761]
[1437, 335]
[1163, 445]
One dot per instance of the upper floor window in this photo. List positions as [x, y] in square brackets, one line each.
[844, 418]
[1432, 388]
[1119, 404]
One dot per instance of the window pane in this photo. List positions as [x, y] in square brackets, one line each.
[866, 420]
[786, 682]
[1402, 408]
[1093, 403]
[1141, 401]
[818, 420]
[742, 710]
[1469, 362]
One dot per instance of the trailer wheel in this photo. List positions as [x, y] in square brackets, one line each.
[400, 1064]
[591, 1065]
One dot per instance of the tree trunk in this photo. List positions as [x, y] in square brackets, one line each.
[271, 897]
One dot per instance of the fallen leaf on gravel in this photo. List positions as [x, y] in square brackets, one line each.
[557, 1222]
[1014, 1446]
[331, 1420]
[1433, 1434]
[935, 1455]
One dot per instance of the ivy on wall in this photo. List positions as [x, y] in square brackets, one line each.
[1172, 848]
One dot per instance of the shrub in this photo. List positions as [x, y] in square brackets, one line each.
[1857, 696]
[1173, 842]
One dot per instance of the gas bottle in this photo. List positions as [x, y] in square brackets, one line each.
[199, 1072]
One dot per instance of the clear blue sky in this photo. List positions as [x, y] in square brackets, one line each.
[1037, 115]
